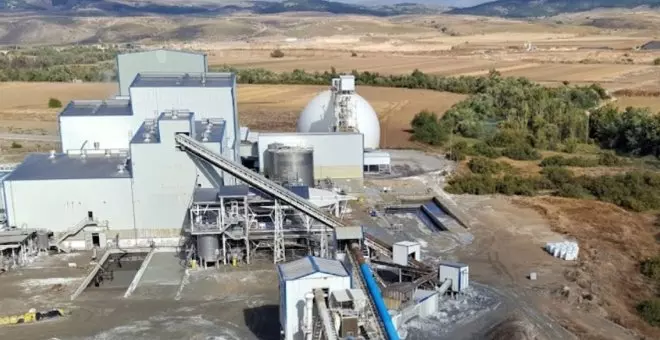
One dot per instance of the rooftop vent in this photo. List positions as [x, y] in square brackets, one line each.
[107, 153]
[83, 154]
[147, 137]
[52, 154]
[175, 114]
[121, 168]
[205, 138]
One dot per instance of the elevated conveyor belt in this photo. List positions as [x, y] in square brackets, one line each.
[269, 187]
[256, 180]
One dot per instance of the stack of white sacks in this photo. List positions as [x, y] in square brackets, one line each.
[564, 250]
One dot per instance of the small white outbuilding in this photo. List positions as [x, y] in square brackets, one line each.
[299, 277]
[458, 273]
[406, 250]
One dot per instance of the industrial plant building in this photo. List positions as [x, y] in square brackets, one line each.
[166, 163]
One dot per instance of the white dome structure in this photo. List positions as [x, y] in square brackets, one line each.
[325, 111]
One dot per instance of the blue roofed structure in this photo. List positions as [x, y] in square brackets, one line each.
[209, 79]
[39, 166]
[110, 107]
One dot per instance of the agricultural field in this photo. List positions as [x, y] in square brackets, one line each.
[639, 101]
[537, 66]
[395, 107]
[261, 107]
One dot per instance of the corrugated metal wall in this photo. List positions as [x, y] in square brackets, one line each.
[130, 64]
[111, 132]
[336, 155]
[60, 204]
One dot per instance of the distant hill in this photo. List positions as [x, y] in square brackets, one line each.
[543, 8]
[128, 7]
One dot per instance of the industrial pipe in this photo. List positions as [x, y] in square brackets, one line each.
[376, 297]
[309, 316]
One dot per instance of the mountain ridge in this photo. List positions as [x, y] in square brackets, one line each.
[546, 8]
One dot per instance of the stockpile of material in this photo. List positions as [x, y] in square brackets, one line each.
[564, 250]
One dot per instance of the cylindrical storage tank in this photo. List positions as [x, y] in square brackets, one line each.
[43, 240]
[294, 165]
[207, 245]
[268, 158]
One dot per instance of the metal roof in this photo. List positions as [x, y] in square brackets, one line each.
[309, 265]
[15, 236]
[156, 79]
[109, 107]
[161, 49]
[215, 134]
[651, 45]
[39, 166]
[452, 264]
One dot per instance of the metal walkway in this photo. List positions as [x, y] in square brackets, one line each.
[269, 187]
[256, 180]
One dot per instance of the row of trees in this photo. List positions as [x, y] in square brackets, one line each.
[637, 190]
[634, 131]
[58, 64]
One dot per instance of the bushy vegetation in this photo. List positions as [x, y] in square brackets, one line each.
[485, 166]
[634, 131]
[427, 129]
[277, 53]
[637, 190]
[522, 152]
[656, 61]
[651, 268]
[649, 310]
[57, 64]
[54, 103]
[605, 159]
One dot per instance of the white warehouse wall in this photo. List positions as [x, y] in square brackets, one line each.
[111, 132]
[336, 155]
[205, 102]
[295, 291]
[164, 178]
[60, 204]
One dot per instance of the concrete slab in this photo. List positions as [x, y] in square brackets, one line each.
[164, 269]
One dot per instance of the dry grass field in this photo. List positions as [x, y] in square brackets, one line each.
[651, 102]
[276, 108]
[261, 107]
[24, 106]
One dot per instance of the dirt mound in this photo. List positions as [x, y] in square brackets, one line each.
[515, 328]
[606, 279]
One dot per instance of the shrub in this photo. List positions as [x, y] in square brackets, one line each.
[484, 166]
[572, 190]
[609, 159]
[651, 267]
[570, 146]
[558, 176]
[650, 311]
[16, 145]
[457, 151]
[353, 54]
[54, 103]
[426, 128]
[277, 53]
[507, 137]
[483, 149]
[521, 152]
[557, 160]
[656, 61]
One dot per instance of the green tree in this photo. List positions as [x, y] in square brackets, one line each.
[54, 103]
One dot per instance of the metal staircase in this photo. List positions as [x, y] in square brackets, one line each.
[86, 222]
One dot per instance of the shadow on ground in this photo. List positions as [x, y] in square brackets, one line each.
[263, 321]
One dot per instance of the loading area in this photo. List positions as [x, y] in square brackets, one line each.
[428, 214]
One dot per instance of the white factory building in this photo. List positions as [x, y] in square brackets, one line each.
[120, 177]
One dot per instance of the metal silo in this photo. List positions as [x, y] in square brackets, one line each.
[207, 245]
[294, 165]
[268, 158]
